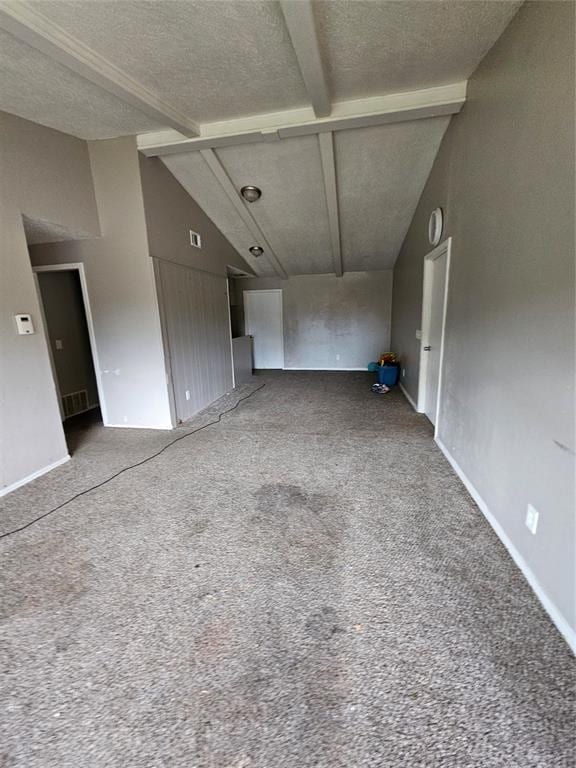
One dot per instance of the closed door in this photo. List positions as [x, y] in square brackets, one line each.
[263, 319]
[195, 317]
[436, 273]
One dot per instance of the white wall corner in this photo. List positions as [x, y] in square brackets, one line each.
[408, 397]
[28, 479]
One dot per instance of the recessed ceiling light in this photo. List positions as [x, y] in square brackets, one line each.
[255, 250]
[250, 193]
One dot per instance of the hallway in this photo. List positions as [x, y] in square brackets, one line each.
[306, 583]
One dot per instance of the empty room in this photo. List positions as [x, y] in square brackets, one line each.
[287, 384]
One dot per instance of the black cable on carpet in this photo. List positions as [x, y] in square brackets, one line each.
[132, 466]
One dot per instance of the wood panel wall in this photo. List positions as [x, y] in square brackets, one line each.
[196, 328]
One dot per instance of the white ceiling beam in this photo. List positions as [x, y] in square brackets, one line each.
[299, 18]
[326, 142]
[39, 32]
[355, 113]
[242, 208]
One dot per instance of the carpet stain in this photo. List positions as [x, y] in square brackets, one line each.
[48, 581]
[304, 529]
[197, 527]
[324, 624]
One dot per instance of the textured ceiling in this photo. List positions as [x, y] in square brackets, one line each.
[212, 60]
[198, 180]
[38, 89]
[400, 45]
[43, 231]
[292, 211]
[224, 59]
[381, 172]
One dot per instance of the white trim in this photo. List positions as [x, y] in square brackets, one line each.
[567, 632]
[9, 488]
[326, 144]
[266, 290]
[444, 248]
[79, 266]
[242, 208]
[407, 396]
[230, 329]
[299, 18]
[354, 113]
[41, 33]
[140, 426]
[328, 369]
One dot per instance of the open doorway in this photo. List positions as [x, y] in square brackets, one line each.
[263, 320]
[68, 325]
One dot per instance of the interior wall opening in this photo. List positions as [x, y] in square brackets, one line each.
[66, 317]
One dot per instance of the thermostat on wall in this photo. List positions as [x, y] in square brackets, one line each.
[24, 324]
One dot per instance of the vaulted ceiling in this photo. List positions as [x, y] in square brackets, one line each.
[334, 108]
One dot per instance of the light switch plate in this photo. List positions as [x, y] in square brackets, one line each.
[418, 334]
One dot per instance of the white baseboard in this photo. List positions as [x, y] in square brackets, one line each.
[138, 426]
[557, 618]
[328, 369]
[407, 396]
[19, 483]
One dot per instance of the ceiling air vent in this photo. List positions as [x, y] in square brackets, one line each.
[195, 239]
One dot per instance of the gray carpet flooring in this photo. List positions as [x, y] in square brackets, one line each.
[305, 584]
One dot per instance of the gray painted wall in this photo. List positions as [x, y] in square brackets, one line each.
[46, 175]
[66, 322]
[122, 291]
[505, 178]
[332, 322]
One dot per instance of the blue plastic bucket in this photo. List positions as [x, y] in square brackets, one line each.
[388, 374]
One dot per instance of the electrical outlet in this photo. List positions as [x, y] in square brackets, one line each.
[337, 357]
[187, 394]
[58, 344]
[532, 516]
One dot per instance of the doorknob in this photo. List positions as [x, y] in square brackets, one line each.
[427, 349]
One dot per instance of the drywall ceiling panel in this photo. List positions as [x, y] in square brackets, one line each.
[36, 88]
[198, 180]
[292, 211]
[210, 59]
[381, 174]
[389, 46]
[43, 231]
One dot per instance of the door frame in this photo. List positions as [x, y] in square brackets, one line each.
[444, 248]
[269, 290]
[73, 267]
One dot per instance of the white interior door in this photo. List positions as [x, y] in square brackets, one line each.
[434, 317]
[263, 321]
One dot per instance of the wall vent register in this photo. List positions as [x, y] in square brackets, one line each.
[195, 239]
[75, 402]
